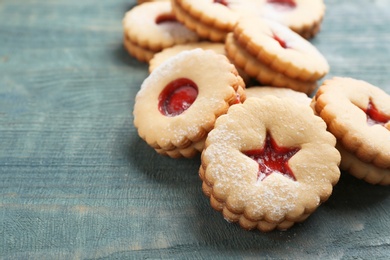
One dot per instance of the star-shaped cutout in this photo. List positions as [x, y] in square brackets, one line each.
[273, 159]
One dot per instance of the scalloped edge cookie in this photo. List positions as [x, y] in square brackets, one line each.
[219, 87]
[231, 178]
[242, 59]
[342, 103]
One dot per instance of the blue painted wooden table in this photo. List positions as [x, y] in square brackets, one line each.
[78, 183]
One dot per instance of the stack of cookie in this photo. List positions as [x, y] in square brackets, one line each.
[269, 52]
[267, 161]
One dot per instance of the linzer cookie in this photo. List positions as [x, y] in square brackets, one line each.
[358, 114]
[269, 163]
[262, 91]
[243, 60]
[179, 102]
[212, 19]
[302, 16]
[151, 27]
[277, 55]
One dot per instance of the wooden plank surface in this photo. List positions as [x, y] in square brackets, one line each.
[78, 183]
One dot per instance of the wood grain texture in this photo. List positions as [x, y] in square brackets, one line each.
[78, 183]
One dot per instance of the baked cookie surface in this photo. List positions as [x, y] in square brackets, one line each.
[269, 163]
[167, 53]
[261, 91]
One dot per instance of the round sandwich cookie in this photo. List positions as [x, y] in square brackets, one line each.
[358, 115]
[269, 163]
[177, 105]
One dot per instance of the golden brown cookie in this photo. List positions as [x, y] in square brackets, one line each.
[302, 16]
[179, 102]
[358, 114]
[151, 27]
[269, 163]
[243, 60]
[261, 91]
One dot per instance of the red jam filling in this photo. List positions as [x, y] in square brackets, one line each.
[167, 17]
[177, 97]
[222, 2]
[272, 158]
[280, 41]
[287, 4]
[374, 116]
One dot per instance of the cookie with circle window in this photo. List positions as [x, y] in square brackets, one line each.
[150, 27]
[269, 163]
[180, 100]
[358, 114]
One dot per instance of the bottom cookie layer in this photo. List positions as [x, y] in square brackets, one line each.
[362, 170]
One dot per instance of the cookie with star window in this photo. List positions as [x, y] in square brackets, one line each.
[269, 163]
